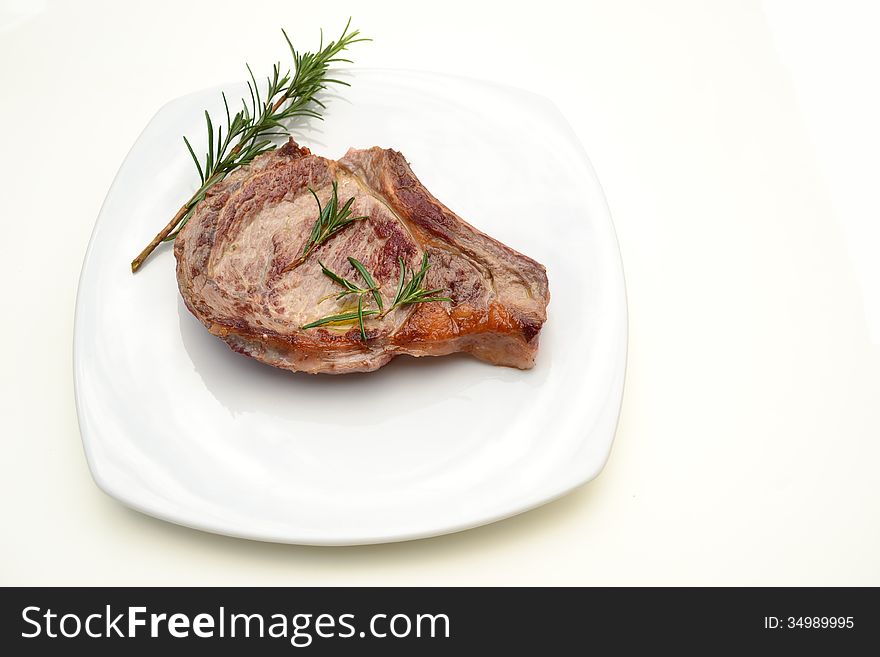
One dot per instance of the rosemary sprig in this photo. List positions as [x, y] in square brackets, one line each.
[412, 291]
[349, 288]
[250, 131]
[408, 292]
[331, 219]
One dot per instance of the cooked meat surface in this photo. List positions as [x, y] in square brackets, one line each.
[235, 273]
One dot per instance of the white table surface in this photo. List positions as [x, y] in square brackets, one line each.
[738, 145]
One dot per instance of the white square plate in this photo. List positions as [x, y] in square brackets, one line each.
[178, 426]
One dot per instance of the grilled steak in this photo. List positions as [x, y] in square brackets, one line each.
[235, 255]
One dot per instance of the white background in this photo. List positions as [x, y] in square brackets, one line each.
[739, 148]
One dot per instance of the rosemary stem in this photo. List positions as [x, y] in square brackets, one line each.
[296, 263]
[160, 236]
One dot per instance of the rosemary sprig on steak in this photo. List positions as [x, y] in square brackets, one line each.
[250, 131]
[413, 292]
[331, 219]
[408, 292]
[350, 288]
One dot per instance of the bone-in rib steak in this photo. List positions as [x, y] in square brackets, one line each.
[234, 268]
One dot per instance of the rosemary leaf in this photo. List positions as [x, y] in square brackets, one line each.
[371, 284]
[195, 159]
[336, 278]
[361, 317]
[344, 317]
